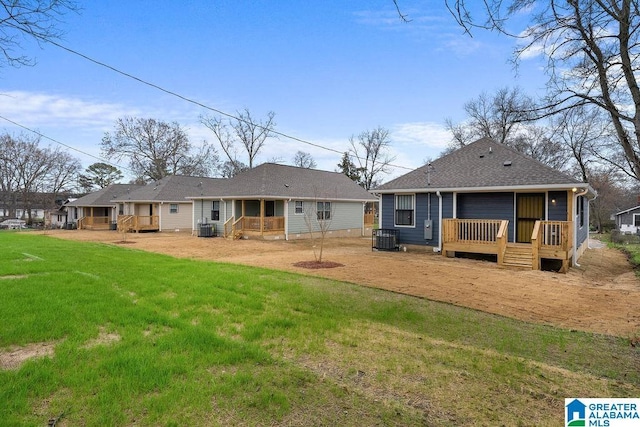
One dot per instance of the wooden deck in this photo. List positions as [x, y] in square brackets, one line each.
[94, 223]
[549, 240]
[138, 223]
[254, 226]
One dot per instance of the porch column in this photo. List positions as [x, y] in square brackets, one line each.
[262, 217]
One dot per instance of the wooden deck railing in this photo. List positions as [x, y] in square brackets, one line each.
[501, 239]
[555, 234]
[549, 239]
[90, 222]
[474, 231]
[138, 223]
[270, 223]
[228, 227]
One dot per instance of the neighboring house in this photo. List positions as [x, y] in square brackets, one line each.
[487, 198]
[162, 205]
[628, 221]
[57, 218]
[276, 201]
[97, 210]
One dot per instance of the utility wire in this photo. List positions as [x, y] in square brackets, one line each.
[192, 101]
[40, 134]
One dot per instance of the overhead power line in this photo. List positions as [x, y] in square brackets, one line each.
[198, 103]
[40, 134]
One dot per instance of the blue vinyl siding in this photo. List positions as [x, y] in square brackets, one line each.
[557, 211]
[415, 235]
[485, 206]
[488, 206]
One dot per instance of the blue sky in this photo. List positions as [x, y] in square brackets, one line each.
[328, 69]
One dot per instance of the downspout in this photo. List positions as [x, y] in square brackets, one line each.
[575, 235]
[159, 216]
[439, 248]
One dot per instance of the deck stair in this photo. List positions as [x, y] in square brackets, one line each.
[518, 256]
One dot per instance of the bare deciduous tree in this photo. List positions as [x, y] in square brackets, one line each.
[34, 18]
[371, 152]
[318, 216]
[592, 53]
[28, 171]
[241, 131]
[304, 160]
[155, 149]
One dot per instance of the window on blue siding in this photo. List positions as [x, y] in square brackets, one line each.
[324, 211]
[299, 207]
[215, 210]
[404, 209]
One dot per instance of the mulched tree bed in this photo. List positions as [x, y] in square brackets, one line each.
[316, 264]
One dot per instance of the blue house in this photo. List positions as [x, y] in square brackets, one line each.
[487, 198]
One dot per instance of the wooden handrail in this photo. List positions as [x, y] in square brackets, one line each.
[228, 227]
[501, 239]
[536, 239]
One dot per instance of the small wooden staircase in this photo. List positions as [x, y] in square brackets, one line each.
[518, 255]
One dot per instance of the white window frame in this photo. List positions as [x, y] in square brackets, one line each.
[171, 208]
[413, 210]
[300, 206]
[323, 214]
[213, 205]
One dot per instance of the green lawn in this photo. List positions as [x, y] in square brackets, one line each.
[146, 339]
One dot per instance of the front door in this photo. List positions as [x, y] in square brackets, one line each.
[529, 209]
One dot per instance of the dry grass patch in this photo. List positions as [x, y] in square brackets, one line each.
[14, 357]
[449, 383]
[103, 338]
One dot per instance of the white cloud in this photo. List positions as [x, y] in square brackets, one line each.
[43, 110]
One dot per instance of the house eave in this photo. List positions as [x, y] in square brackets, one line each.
[515, 188]
[270, 197]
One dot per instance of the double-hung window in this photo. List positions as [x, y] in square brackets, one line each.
[173, 208]
[324, 211]
[299, 207]
[215, 210]
[405, 209]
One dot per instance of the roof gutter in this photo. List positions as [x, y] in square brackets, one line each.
[537, 187]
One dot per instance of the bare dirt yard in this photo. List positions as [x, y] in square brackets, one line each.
[602, 295]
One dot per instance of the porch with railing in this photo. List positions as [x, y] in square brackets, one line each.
[253, 225]
[94, 223]
[549, 240]
[138, 223]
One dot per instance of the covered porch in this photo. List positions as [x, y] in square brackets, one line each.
[95, 218]
[260, 218]
[548, 240]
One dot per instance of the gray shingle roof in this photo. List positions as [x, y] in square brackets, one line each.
[283, 182]
[482, 164]
[105, 196]
[173, 188]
